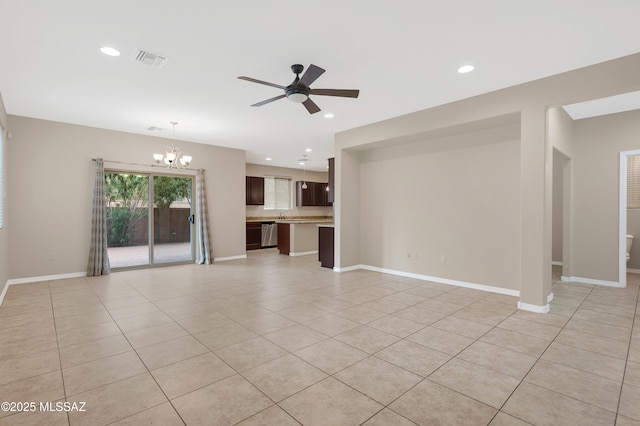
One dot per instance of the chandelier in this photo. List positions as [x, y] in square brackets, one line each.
[172, 157]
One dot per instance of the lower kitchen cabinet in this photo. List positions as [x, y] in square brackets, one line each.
[284, 238]
[325, 246]
[254, 235]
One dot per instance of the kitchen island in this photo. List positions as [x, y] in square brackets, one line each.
[299, 237]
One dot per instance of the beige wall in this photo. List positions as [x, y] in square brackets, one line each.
[530, 102]
[451, 203]
[558, 171]
[4, 233]
[51, 191]
[560, 138]
[295, 175]
[597, 146]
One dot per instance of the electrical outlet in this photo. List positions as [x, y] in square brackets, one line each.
[52, 256]
[443, 258]
[412, 255]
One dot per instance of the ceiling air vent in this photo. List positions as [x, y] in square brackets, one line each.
[149, 58]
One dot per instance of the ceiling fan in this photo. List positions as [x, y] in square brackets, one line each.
[299, 90]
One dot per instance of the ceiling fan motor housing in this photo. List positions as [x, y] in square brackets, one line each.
[297, 93]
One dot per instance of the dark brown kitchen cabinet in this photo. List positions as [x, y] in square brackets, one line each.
[325, 246]
[284, 238]
[305, 197]
[331, 193]
[320, 194]
[254, 235]
[314, 195]
[255, 190]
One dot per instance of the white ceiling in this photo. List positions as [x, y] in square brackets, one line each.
[402, 55]
[610, 105]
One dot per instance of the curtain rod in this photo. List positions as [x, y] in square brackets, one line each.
[143, 165]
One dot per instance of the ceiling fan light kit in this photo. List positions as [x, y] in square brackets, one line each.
[300, 90]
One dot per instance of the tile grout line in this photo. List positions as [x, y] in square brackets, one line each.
[55, 329]
[139, 358]
[541, 355]
[626, 361]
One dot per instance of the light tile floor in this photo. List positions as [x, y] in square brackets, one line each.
[275, 340]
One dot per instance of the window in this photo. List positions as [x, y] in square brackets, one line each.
[633, 182]
[1, 179]
[277, 193]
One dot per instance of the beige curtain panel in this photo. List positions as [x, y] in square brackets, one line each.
[98, 255]
[204, 244]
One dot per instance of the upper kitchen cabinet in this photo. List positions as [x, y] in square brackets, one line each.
[331, 193]
[255, 191]
[314, 195]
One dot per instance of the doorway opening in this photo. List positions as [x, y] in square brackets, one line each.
[629, 212]
[141, 233]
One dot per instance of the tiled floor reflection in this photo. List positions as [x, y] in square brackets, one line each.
[275, 340]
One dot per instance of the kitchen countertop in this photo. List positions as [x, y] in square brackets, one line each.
[305, 221]
[292, 219]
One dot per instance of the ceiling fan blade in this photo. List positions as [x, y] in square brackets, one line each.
[266, 101]
[336, 92]
[310, 75]
[311, 106]
[253, 80]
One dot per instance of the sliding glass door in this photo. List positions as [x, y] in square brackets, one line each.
[172, 219]
[140, 233]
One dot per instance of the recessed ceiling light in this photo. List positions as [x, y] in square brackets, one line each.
[301, 163]
[110, 51]
[328, 115]
[268, 158]
[308, 150]
[465, 69]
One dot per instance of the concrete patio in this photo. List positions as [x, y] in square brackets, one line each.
[127, 257]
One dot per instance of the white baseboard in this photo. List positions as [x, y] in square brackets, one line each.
[303, 253]
[534, 308]
[550, 297]
[222, 259]
[556, 263]
[347, 268]
[29, 280]
[633, 271]
[4, 291]
[591, 281]
[421, 277]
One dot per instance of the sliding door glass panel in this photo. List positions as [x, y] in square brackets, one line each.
[127, 201]
[172, 219]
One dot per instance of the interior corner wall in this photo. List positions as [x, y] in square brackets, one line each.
[560, 136]
[347, 208]
[445, 208]
[51, 191]
[595, 200]
[295, 175]
[4, 232]
[558, 184]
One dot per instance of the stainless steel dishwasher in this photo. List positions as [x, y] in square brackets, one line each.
[269, 234]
